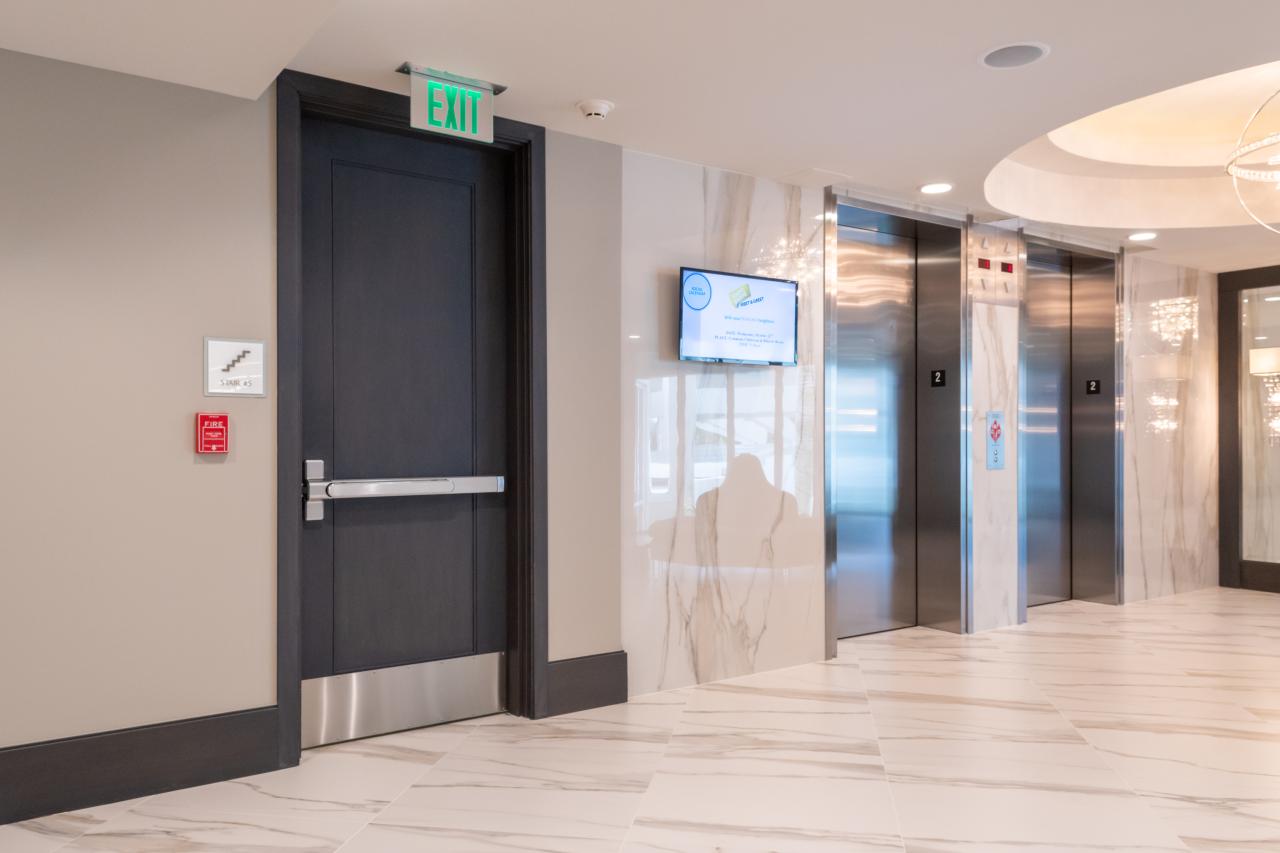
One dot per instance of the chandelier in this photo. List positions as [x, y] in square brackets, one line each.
[1254, 165]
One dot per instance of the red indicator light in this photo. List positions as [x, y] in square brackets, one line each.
[984, 263]
[1005, 266]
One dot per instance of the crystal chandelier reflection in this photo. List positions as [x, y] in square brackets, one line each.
[1163, 419]
[1175, 318]
[1271, 407]
[1254, 165]
[793, 258]
[1264, 363]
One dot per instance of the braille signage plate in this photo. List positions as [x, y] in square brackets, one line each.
[235, 368]
[1093, 386]
[937, 378]
[446, 103]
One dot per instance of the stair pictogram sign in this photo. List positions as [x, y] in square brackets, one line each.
[244, 353]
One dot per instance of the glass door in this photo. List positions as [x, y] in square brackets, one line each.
[1259, 407]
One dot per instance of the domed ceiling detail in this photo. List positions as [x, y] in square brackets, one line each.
[1156, 162]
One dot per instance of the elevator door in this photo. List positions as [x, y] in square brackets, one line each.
[405, 372]
[1095, 526]
[873, 452]
[1045, 442]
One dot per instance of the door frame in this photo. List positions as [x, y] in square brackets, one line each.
[299, 95]
[1233, 569]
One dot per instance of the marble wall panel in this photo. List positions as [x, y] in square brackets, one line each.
[722, 555]
[993, 388]
[1171, 423]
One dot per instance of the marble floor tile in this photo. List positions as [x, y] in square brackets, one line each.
[688, 811]
[786, 760]
[1148, 728]
[358, 778]
[46, 834]
[205, 829]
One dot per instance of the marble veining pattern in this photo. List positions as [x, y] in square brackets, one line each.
[993, 332]
[722, 558]
[1148, 728]
[1171, 429]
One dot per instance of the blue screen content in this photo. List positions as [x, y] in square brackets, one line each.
[726, 317]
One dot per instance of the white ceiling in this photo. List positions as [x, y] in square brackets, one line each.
[887, 95]
[236, 47]
[890, 95]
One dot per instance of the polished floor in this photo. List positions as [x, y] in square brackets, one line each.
[1151, 727]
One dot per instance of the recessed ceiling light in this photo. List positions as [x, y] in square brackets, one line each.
[1142, 236]
[936, 189]
[634, 337]
[1271, 299]
[1015, 55]
[1260, 338]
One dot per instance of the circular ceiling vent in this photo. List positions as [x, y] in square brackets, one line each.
[1015, 55]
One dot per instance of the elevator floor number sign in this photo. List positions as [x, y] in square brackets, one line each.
[995, 441]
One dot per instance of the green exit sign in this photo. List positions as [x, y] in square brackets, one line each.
[447, 103]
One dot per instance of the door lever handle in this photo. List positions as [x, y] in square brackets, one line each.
[317, 489]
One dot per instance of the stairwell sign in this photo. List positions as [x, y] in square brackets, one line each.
[235, 368]
[446, 103]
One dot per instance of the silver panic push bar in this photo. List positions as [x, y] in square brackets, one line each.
[318, 489]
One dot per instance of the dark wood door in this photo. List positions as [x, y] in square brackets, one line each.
[405, 373]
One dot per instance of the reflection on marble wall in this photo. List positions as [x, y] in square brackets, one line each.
[1260, 424]
[1171, 429]
[994, 388]
[722, 557]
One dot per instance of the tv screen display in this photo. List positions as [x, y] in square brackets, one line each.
[743, 319]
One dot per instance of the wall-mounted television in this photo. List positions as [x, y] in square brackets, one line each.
[735, 318]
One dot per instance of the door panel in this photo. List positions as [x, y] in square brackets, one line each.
[939, 417]
[401, 306]
[873, 454]
[1093, 430]
[405, 375]
[1045, 441]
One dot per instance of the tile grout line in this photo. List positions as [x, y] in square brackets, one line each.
[1100, 754]
[875, 727]
[141, 802]
[657, 767]
[389, 803]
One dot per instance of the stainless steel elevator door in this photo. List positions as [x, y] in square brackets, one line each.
[873, 452]
[1046, 427]
[1095, 527]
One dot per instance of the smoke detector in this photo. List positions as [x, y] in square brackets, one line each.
[595, 108]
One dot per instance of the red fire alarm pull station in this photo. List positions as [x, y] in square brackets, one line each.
[213, 432]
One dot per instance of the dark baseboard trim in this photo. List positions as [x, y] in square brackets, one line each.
[74, 773]
[593, 681]
[1259, 576]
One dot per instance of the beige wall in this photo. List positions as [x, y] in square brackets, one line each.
[584, 232]
[137, 581]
